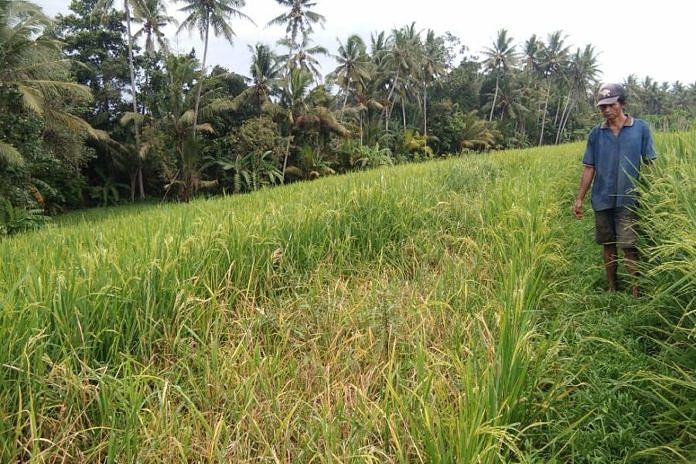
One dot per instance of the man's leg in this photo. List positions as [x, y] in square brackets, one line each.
[605, 235]
[609, 256]
[631, 260]
[626, 236]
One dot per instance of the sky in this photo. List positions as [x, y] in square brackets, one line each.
[640, 38]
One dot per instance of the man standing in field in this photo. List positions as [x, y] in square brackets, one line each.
[615, 151]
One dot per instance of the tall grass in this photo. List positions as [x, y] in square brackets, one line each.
[621, 372]
[399, 315]
[668, 221]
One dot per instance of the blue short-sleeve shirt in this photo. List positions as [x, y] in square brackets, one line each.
[617, 160]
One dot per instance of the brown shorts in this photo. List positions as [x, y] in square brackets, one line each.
[616, 226]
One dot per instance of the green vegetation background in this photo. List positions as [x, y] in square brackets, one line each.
[96, 109]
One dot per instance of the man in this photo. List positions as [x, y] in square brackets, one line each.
[615, 151]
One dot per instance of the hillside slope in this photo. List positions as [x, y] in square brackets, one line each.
[450, 311]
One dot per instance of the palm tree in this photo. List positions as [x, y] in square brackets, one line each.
[302, 56]
[169, 128]
[531, 55]
[398, 61]
[34, 69]
[432, 67]
[378, 85]
[307, 112]
[265, 72]
[554, 58]
[650, 94]
[500, 57]
[293, 98]
[632, 88]
[152, 14]
[532, 75]
[299, 19]
[101, 7]
[410, 41]
[511, 100]
[353, 66]
[379, 45]
[355, 75]
[582, 74]
[475, 134]
[202, 15]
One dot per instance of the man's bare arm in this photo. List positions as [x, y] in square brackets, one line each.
[585, 182]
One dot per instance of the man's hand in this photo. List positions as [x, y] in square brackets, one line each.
[585, 182]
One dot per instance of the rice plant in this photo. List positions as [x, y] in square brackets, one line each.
[405, 314]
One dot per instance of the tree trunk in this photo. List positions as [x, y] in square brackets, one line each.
[361, 131]
[133, 177]
[287, 154]
[343, 108]
[200, 82]
[572, 104]
[555, 116]
[495, 97]
[131, 67]
[388, 108]
[543, 114]
[563, 116]
[141, 185]
[523, 127]
[425, 111]
[403, 113]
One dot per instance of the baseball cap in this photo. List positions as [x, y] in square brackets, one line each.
[609, 94]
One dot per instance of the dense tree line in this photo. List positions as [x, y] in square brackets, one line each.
[95, 110]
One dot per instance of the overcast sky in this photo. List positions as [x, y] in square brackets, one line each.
[641, 38]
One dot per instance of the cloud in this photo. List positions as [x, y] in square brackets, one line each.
[642, 41]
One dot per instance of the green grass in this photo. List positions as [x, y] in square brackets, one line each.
[451, 311]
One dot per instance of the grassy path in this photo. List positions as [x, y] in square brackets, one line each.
[630, 388]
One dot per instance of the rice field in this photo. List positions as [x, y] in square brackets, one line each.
[450, 311]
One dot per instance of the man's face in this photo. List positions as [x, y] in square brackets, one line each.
[611, 112]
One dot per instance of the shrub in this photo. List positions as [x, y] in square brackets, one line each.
[15, 219]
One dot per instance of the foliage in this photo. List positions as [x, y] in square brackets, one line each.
[60, 183]
[99, 54]
[414, 146]
[458, 132]
[249, 172]
[407, 89]
[15, 219]
[249, 157]
[53, 171]
[309, 163]
[299, 19]
[108, 192]
[215, 15]
[41, 138]
[372, 157]
[668, 225]
[258, 136]
[168, 135]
